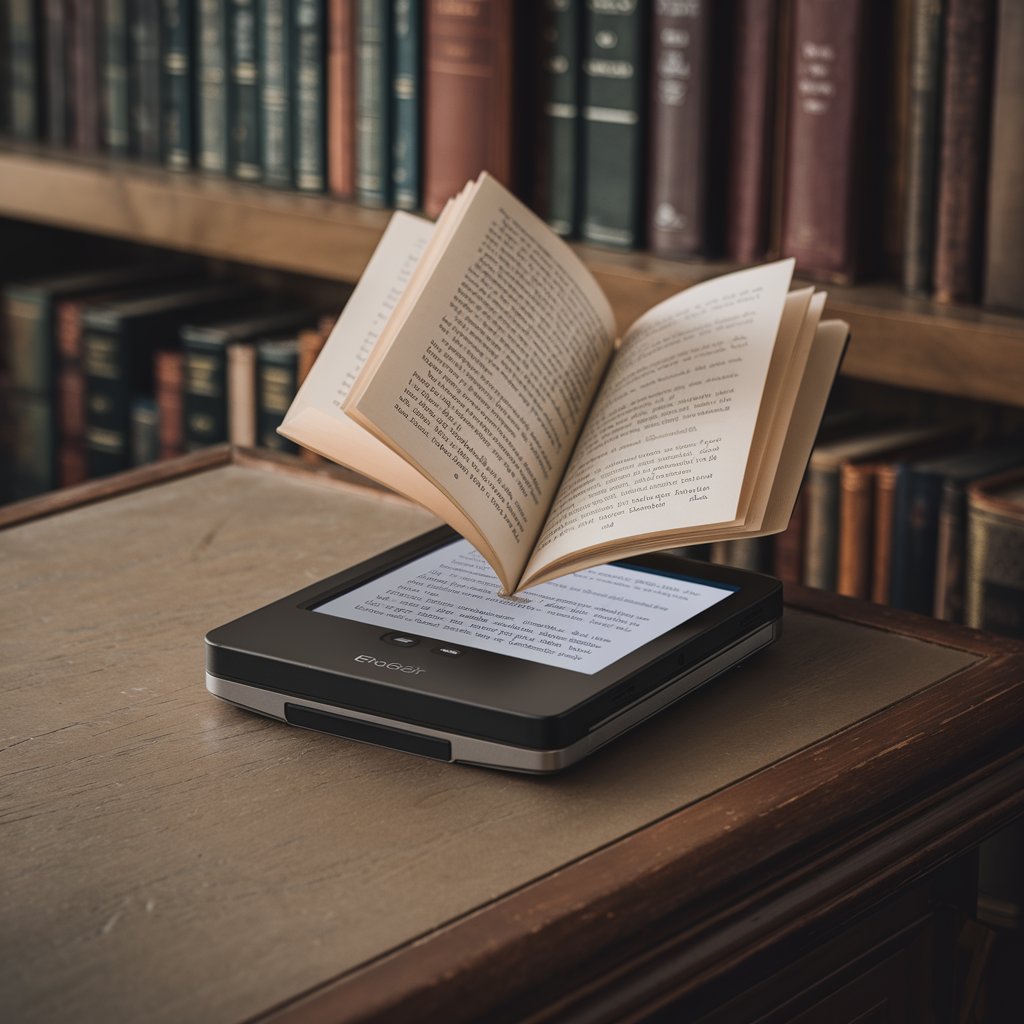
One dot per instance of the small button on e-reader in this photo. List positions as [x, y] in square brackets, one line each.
[400, 639]
[448, 652]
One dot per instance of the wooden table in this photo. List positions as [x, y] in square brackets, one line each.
[777, 840]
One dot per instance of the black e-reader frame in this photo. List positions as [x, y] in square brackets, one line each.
[440, 697]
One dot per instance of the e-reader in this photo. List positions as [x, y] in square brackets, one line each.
[417, 650]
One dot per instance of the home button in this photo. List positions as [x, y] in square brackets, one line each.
[400, 639]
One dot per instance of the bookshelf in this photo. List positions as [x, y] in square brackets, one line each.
[897, 339]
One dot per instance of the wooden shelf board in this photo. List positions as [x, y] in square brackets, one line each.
[897, 339]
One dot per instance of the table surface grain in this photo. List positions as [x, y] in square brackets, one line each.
[166, 857]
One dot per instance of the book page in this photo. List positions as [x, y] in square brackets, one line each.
[316, 419]
[667, 443]
[485, 386]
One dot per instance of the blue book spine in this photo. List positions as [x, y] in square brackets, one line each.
[309, 96]
[406, 104]
[275, 92]
[373, 106]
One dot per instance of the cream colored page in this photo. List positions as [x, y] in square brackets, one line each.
[488, 381]
[668, 439]
[365, 314]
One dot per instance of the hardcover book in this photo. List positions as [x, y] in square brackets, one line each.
[963, 150]
[614, 109]
[309, 81]
[687, 113]
[207, 351]
[1004, 239]
[468, 106]
[275, 72]
[373, 102]
[558, 179]
[752, 128]
[114, 78]
[341, 97]
[243, 93]
[995, 554]
[212, 84]
[830, 187]
[118, 348]
[476, 369]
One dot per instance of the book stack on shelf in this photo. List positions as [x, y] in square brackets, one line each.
[868, 140]
[113, 368]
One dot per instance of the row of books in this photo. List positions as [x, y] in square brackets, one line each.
[862, 138]
[921, 518]
[114, 368]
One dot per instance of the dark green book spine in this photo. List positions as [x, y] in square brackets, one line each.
[560, 109]
[24, 39]
[922, 144]
[179, 102]
[144, 78]
[406, 103]
[107, 407]
[57, 59]
[28, 327]
[275, 91]
[212, 85]
[245, 94]
[309, 77]
[204, 394]
[614, 108]
[145, 430]
[114, 61]
[373, 107]
[277, 381]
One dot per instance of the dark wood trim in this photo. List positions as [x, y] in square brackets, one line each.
[680, 892]
[113, 486]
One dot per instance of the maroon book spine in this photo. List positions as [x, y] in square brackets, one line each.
[830, 187]
[468, 108]
[341, 89]
[169, 379]
[71, 397]
[963, 150]
[85, 76]
[680, 160]
[752, 128]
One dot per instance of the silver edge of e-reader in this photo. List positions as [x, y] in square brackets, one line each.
[491, 754]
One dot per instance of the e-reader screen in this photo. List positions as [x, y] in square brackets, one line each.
[583, 622]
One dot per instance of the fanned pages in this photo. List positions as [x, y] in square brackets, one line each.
[475, 370]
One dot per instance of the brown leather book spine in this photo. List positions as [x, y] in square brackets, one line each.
[169, 377]
[751, 131]
[896, 114]
[856, 506]
[827, 192]
[680, 160]
[85, 76]
[71, 397]
[963, 150]
[885, 506]
[468, 116]
[341, 92]
[1004, 255]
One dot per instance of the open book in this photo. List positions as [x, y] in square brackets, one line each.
[476, 369]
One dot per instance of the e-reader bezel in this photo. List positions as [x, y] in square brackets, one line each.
[288, 648]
